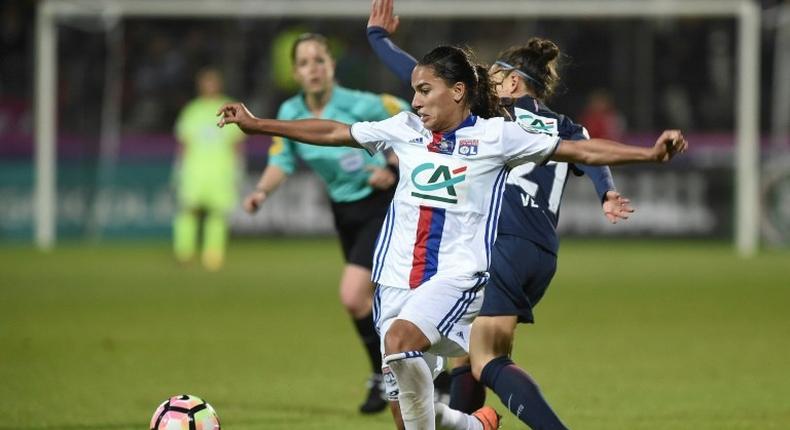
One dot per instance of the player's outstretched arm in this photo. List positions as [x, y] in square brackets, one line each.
[602, 151]
[315, 131]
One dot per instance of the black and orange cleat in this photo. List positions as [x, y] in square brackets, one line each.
[488, 417]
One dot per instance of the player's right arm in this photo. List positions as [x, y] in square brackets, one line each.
[602, 151]
[314, 131]
[522, 145]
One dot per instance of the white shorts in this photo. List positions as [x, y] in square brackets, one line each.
[442, 309]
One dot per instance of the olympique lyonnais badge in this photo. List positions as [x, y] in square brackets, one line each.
[467, 146]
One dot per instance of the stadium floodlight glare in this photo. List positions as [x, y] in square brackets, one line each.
[746, 12]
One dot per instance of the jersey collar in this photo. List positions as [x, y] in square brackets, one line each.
[444, 143]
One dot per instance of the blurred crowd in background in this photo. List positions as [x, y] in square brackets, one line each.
[621, 78]
[685, 66]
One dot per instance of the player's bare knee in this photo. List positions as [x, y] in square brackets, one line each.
[356, 295]
[357, 306]
[395, 341]
[404, 336]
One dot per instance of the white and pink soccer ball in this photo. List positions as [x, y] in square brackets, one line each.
[185, 412]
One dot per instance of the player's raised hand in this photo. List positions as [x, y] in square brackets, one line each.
[254, 200]
[381, 15]
[616, 207]
[670, 142]
[236, 113]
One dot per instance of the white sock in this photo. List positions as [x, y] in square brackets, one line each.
[450, 419]
[416, 389]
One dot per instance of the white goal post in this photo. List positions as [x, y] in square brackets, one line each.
[745, 12]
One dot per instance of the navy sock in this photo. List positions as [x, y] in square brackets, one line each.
[370, 339]
[519, 392]
[441, 383]
[466, 393]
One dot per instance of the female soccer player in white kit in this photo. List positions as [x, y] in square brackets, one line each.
[434, 248]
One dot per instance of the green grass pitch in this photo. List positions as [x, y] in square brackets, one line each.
[631, 335]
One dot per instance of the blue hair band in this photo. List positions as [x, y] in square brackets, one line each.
[523, 74]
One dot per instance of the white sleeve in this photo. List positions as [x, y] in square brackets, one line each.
[376, 136]
[521, 145]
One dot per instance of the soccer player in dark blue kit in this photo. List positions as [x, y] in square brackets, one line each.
[524, 259]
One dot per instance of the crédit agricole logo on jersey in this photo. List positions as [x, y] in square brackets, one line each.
[532, 123]
[437, 182]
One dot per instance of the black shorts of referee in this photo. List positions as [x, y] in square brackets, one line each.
[358, 224]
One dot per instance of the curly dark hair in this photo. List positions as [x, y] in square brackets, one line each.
[538, 59]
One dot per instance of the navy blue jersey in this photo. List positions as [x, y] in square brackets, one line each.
[531, 201]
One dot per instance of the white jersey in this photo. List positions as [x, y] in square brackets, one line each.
[443, 219]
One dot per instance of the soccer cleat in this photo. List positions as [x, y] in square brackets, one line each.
[488, 417]
[212, 261]
[375, 402]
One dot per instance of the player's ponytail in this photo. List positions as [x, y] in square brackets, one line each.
[453, 64]
[484, 101]
[536, 62]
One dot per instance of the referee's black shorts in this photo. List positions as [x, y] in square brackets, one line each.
[358, 224]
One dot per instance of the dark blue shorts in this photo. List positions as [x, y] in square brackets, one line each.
[520, 273]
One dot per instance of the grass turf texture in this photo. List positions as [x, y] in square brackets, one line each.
[631, 335]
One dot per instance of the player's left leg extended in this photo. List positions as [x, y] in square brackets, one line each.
[356, 295]
[215, 238]
[430, 320]
[417, 396]
[490, 347]
[404, 344]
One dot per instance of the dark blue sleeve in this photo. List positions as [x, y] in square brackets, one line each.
[398, 61]
[600, 176]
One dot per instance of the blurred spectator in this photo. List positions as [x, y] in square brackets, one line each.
[601, 118]
[13, 48]
[15, 113]
[160, 54]
[159, 72]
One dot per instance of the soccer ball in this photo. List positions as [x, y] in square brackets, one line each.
[185, 412]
